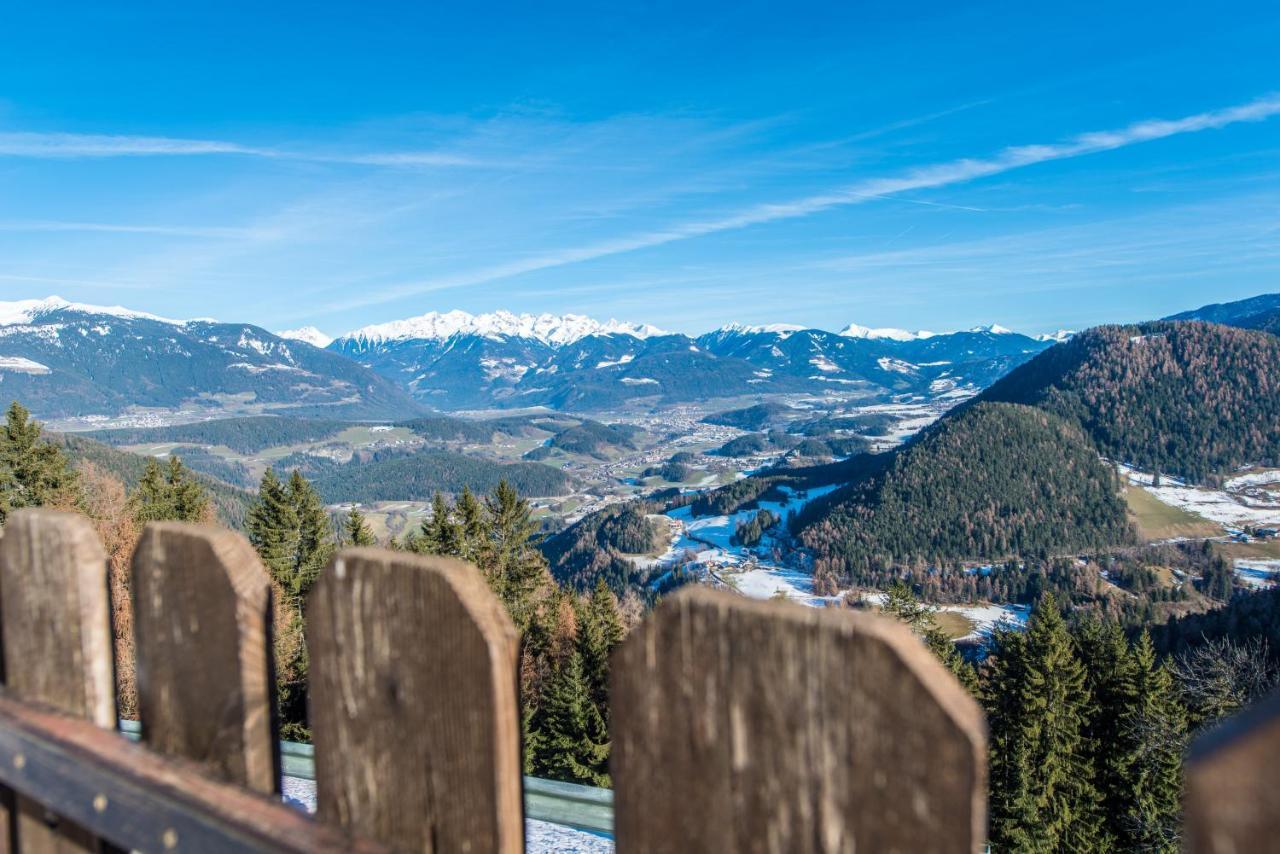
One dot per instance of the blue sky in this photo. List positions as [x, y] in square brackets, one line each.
[916, 165]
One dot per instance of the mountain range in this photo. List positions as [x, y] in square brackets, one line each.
[458, 361]
[69, 359]
[64, 359]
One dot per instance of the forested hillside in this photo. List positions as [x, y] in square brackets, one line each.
[416, 477]
[751, 418]
[1260, 312]
[594, 548]
[1190, 399]
[993, 481]
[230, 503]
[245, 435]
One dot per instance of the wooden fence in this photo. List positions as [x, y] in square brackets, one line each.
[737, 725]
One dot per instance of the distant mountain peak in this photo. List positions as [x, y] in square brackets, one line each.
[1059, 336]
[554, 330]
[783, 329]
[993, 329]
[853, 330]
[28, 310]
[307, 334]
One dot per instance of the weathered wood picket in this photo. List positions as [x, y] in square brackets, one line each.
[737, 725]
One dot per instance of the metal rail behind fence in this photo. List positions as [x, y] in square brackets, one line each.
[737, 725]
[569, 804]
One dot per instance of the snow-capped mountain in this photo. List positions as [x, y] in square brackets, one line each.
[459, 360]
[28, 310]
[71, 359]
[309, 334]
[64, 359]
[853, 330]
[550, 329]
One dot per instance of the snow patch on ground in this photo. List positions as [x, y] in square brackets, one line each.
[987, 618]
[1259, 478]
[20, 365]
[1225, 507]
[1257, 573]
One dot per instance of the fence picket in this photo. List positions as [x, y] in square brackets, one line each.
[1231, 798]
[55, 614]
[755, 726]
[202, 623]
[413, 706]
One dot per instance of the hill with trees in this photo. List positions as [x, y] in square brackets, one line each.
[418, 476]
[247, 435]
[230, 502]
[1261, 312]
[1185, 398]
[751, 418]
[993, 481]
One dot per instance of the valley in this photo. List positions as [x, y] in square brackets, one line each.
[585, 417]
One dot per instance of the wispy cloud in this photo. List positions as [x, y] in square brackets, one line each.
[215, 232]
[929, 177]
[75, 145]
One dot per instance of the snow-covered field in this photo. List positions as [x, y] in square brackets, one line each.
[987, 618]
[1237, 505]
[540, 837]
[1257, 478]
[708, 540]
[1257, 573]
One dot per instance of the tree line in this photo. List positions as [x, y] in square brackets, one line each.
[1088, 724]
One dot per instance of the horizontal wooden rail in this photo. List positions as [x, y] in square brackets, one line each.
[139, 800]
[568, 804]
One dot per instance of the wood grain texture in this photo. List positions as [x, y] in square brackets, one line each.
[767, 727]
[1232, 785]
[55, 620]
[202, 617]
[414, 706]
[138, 800]
[56, 614]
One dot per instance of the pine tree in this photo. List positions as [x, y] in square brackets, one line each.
[901, 603]
[474, 531]
[1042, 795]
[356, 531]
[292, 533]
[599, 631]
[573, 741]
[1153, 734]
[272, 525]
[33, 472]
[315, 543]
[169, 493]
[440, 533]
[1110, 673]
[514, 566]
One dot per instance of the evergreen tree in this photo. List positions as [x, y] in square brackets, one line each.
[315, 543]
[901, 604]
[514, 566]
[599, 631]
[356, 531]
[272, 525]
[1110, 674]
[33, 472]
[573, 744]
[1153, 734]
[471, 518]
[1042, 794]
[169, 493]
[292, 533]
[440, 533]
